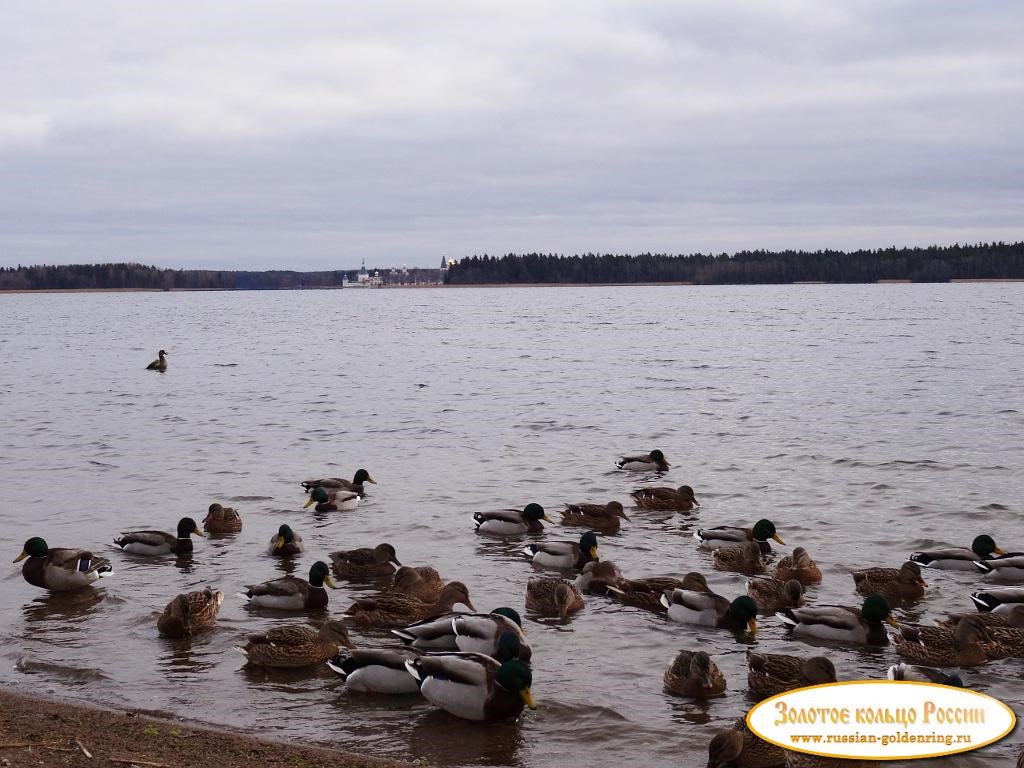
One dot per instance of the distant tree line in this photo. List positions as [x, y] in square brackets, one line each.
[139, 276]
[935, 264]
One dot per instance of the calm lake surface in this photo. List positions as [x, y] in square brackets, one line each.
[866, 421]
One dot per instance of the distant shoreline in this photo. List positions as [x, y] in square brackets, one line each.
[487, 285]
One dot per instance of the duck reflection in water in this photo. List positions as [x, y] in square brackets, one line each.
[285, 565]
[184, 563]
[186, 656]
[64, 606]
[479, 743]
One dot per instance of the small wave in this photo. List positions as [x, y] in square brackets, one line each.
[73, 675]
[994, 507]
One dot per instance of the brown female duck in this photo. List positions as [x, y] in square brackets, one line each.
[390, 609]
[553, 597]
[296, 645]
[772, 595]
[799, 566]
[679, 499]
[600, 517]
[189, 613]
[221, 520]
[365, 563]
[693, 673]
[424, 583]
[903, 583]
[772, 673]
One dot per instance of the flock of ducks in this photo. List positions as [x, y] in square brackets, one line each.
[477, 665]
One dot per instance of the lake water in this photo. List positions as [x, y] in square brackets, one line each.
[866, 421]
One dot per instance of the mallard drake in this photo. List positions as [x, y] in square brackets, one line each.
[799, 566]
[1008, 567]
[837, 622]
[597, 576]
[160, 364]
[744, 558]
[296, 645]
[904, 582]
[365, 563]
[220, 520]
[468, 632]
[652, 462]
[187, 614]
[731, 536]
[390, 609]
[332, 501]
[938, 646]
[999, 600]
[904, 671]
[694, 674]
[376, 670]
[600, 517]
[60, 569]
[772, 595]
[423, 583]
[958, 558]
[290, 593]
[473, 686]
[711, 610]
[646, 593]
[553, 597]
[739, 747]
[154, 543]
[679, 499]
[771, 673]
[564, 554]
[285, 543]
[329, 484]
[512, 522]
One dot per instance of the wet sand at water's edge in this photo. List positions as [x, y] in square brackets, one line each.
[38, 731]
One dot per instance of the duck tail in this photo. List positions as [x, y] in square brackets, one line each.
[983, 566]
[342, 664]
[921, 558]
[895, 672]
[788, 618]
[530, 550]
[415, 669]
[404, 635]
[984, 601]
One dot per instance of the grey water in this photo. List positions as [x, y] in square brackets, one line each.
[866, 421]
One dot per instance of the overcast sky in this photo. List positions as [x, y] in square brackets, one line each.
[253, 134]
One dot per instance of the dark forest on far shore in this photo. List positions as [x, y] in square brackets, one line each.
[935, 264]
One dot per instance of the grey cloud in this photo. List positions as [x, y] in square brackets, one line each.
[241, 135]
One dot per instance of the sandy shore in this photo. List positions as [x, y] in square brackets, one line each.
[42, 732]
